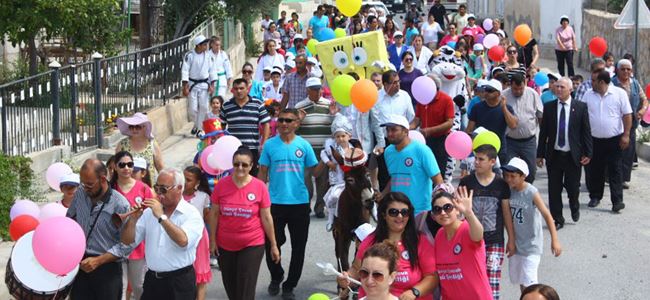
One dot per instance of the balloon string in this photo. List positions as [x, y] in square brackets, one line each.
[59, 287]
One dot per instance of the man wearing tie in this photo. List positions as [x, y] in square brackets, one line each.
[566, 144]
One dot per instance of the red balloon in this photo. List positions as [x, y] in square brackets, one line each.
[21, 225]
[496, 53]
[647, 89]
[598, 46]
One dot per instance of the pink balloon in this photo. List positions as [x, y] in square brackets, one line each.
[24, 207]
[479, 38]
[491, 40]
[59, 244]
[458, 145]
[487, 24]
[646, 116]
[424, 89]
[224, 148]
[417, 136]
[52, 210]
[206, 154]
[54, 173]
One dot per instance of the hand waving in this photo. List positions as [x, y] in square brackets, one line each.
[463, 200]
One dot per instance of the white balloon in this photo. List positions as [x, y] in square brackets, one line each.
[417, 136]
[487, 24]
[491, 40]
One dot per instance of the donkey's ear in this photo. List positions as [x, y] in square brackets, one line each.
[356, 143]
[337, 156]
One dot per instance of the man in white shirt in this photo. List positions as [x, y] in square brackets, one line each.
[610, 117]
[391, 101]
[198, 76]
[171, 229]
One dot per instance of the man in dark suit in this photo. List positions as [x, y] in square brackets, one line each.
[565, 142]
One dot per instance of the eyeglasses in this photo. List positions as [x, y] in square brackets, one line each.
[394, 212]
[123, 165]
[247, 72]
[162, 189]
[285, 120]
[437, 210]
[376, 276]
[89, 186]
[135, 127]
[240, 165]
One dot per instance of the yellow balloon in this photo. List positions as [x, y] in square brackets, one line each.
[341, 87]
[318, 296]
[339, 32]
[348, 8]
[487, 138]
[311, 46]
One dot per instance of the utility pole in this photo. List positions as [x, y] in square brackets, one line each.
[636, 37]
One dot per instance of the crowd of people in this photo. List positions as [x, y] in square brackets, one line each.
[432, 239]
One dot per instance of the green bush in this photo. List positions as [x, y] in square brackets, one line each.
[16, 182]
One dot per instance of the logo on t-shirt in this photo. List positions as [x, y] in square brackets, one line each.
[138, 199]
[458, 249]
[405, 255]
[408, 162]
[251, 197]
[299, 153]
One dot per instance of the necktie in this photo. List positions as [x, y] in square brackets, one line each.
[561, 141]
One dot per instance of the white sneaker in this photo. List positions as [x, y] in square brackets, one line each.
[329, 227]
[214, 262]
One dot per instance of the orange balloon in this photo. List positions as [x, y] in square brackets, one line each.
[364, 95]
[523, 34]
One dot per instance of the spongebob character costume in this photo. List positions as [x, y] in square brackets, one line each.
[363, 54]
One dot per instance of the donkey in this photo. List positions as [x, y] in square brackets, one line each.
[355, 202]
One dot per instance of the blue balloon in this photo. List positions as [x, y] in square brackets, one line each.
[452, 44]
[541, 78]
[325, 34]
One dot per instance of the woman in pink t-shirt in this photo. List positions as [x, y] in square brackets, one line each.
[378, 271]
[416, 267]
[135, 191]
[241, 217]
[565, 46]
[459, 248]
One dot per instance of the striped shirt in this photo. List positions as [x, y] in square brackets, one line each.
[582, 90]
[315, 127]
[296, 86]
[105, 237]
[243, 121]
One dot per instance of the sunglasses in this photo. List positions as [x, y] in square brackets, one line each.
[285, 120]
[162, 189]
[394, 212]
[512, 51]
[437, 210]
[408, 59]
[247, 72]
[133, 127]
[240, 165]
[123, 165]
[376, 276]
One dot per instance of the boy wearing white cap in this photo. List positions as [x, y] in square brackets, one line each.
[526, 204]
[68, 185]
[198, 75]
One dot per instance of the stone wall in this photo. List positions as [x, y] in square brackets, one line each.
[619, 41]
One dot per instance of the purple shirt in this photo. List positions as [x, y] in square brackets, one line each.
[406, 80]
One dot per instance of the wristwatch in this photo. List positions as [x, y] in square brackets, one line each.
[416, 292]
[162, 218]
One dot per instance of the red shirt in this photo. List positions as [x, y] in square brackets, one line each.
[435, 113]
[240, 225]
[461, 266]
[136, 195]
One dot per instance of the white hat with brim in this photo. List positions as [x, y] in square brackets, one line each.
[71, 179]
[139, 163]
[495, 84]
[137, 119]
[516, 165]
[313, 83]
[396, 120]
[200, 39]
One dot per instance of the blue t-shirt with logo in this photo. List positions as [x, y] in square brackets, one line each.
[287, 163]
[410, 172]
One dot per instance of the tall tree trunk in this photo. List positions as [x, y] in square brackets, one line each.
[33, 56]
[145, 25]
[156, 9]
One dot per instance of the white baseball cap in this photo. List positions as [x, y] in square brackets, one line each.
[268, 68]
[398, 120]
[139, 162]
[69, 179]
[471, 16]
[494, 84]
[298, 37]
[312, 60]
[290, 63]
[516, 164]
[478, 47]
[200, 39]
[313, 82]
[276, 69]
[398, 33]
[555, 76]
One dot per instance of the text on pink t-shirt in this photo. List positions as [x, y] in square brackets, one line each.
[461, 266]
[136, 195]
[239, 224]
[407, 277]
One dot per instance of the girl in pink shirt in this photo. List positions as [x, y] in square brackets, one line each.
[196, 192]
[241, 218]
[459, 248]
[135, 191]
[416, 267]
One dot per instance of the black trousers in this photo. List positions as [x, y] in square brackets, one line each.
[563, 172]
[608, 156]
[564, 57]
[105, 283]
[322, 184]
[256, 158]
[628, 156]
[437, 146]
[296, 217]
[382, 170]
[239, 270]
[180, 285]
